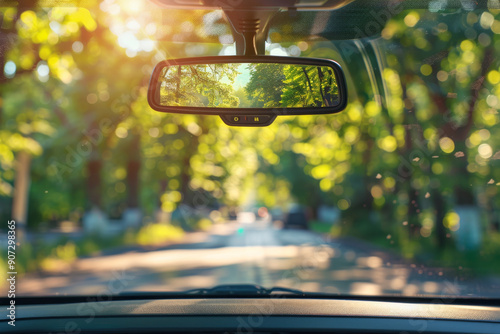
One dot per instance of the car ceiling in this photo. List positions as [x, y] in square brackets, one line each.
[349, 19]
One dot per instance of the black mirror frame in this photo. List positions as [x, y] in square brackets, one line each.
[339, 75]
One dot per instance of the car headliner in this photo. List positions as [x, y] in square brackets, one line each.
[354, 20]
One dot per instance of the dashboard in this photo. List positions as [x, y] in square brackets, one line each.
[252, 315]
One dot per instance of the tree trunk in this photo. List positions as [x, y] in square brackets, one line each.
[439, 206]
[133, 169]
[413, 223]
[188, 195]
[367, 157]
[21, 192]
[94, 183]
[178, 84]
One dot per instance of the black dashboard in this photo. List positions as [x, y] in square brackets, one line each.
[252, 315]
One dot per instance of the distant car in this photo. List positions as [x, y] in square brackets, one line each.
[296, 218]
[276, 214]
[232, 214]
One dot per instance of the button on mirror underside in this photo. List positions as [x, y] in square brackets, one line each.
[248, 120]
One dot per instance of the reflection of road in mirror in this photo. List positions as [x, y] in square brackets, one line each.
[248, 85]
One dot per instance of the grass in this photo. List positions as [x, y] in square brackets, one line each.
[324, 228]
[425, 250]
[39, 256]
[158, 234]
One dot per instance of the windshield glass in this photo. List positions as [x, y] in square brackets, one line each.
[395, 195]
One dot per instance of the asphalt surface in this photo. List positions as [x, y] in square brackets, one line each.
[256, 253]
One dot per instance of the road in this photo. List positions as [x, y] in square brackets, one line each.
[257, 253]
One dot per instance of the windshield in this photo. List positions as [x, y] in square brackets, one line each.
[395, 195]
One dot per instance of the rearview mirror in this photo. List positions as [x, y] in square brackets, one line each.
[248, 91]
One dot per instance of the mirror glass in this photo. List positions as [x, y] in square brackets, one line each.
[247, 85]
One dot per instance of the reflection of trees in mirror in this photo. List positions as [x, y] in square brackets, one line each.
[329, 89]
[207, 85]
[288, 86]
[309, 86]
[253, 85]
[266, 85]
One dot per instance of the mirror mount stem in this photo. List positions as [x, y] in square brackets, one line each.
[250, 43]
[250, 30]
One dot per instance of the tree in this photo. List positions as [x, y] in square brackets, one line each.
[309, 86]
[199, 85]
[266, 85]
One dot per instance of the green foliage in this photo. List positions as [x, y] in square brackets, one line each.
[309, 86]
[158, 234]
[199, 85]
[289, 86]
[266, 85]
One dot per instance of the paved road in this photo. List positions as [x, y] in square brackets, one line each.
[254, 253]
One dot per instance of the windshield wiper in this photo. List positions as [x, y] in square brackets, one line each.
[232, 290]
[243, 289]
